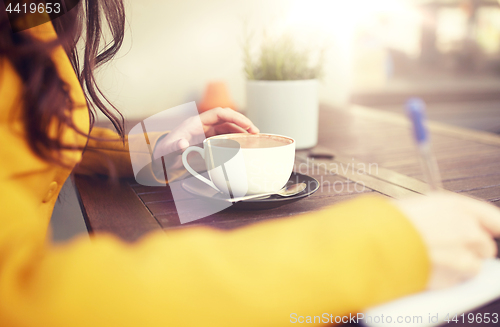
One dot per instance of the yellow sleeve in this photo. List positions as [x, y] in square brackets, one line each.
[342, 259]
[105, 154]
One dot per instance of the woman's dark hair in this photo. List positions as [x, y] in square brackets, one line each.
[46, 97]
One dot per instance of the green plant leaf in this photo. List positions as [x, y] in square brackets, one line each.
[282, 59]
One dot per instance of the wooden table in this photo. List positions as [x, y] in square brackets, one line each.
[360, 151]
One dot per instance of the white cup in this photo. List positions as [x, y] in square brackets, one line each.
[241, 171]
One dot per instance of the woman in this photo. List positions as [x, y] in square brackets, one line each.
[340, 260]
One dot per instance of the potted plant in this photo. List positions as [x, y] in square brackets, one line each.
[282, 89]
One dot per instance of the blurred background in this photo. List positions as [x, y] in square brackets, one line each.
[377, 53]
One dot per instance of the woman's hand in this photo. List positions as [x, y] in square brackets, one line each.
[195, 129]
[458, 232]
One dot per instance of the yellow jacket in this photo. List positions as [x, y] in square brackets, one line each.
[339, 260]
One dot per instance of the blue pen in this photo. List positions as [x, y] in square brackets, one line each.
[415, 108]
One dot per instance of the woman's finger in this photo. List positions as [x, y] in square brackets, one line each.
[182, 144]
[228, 128]
[481, 243]
[487, 215]
[225, 115]
[468, 265]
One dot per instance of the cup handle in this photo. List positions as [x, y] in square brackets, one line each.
[191, 170]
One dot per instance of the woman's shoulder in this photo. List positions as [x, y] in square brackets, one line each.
[39, 25]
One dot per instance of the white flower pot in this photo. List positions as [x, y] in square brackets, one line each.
[288, 108]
